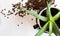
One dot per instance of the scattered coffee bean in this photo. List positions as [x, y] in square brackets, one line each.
[31, 19]
[4, 15]
[9, 11]
[16, 13]
[13, 9]
[13, 5]
[17, 24]
[21, 0]
[1, 10]
[7, 17]
[8, 14]
[21, 22]
[4, 9]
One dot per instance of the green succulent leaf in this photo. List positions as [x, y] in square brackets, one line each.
[50, 28]
[56, 16]
[56, 29]
[48, 11]
[33, 13]
[42, 30]
[59, 29]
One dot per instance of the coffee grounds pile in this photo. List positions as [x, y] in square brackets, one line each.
[16, 7]
[36, 5]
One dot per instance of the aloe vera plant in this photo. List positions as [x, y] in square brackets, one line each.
[50, 21]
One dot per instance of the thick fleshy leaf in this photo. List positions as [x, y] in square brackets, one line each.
[59, 29]
[48, 11]
[56, 16]
[50, 28]
[56, 29]
[33, 13]
[43, 29]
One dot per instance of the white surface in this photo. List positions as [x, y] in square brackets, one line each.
[8, 27]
